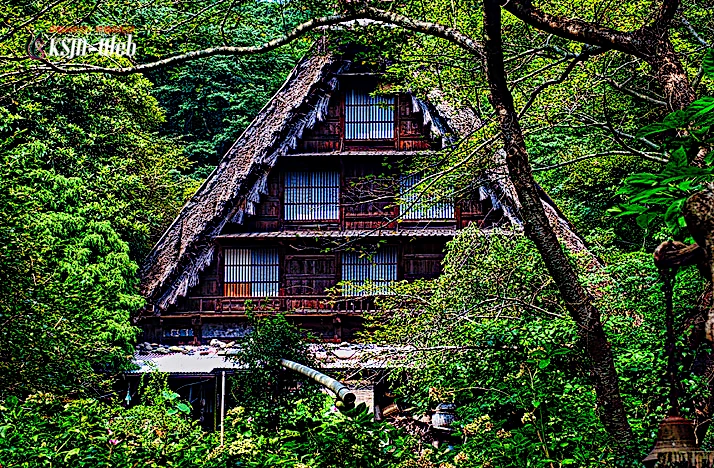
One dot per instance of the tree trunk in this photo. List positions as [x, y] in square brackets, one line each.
[539, 230]
[657, 50]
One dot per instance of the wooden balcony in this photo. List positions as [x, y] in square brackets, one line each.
[290, 305]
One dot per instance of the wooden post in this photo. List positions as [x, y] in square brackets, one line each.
[223, 402]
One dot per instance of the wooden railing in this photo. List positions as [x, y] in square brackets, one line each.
[287, 304]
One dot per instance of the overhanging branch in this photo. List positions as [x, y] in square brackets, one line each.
[425, 27]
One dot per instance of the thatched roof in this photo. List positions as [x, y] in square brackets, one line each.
[233, 189]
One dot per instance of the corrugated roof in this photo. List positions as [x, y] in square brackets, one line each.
[179, 363]
[328, 356]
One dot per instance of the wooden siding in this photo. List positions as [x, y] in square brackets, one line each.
[411, 134]
[309, 274]
[367, 193]
[478, 208]
[422, 259]
[268, 213]
[326, 136]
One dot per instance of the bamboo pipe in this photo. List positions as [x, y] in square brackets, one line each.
[340, 390]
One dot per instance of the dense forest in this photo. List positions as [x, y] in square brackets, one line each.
[556, 353]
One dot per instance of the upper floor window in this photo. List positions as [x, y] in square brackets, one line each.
[312, 196]
[368, 117]
[418, 204]
[376, 270]
[251, 273]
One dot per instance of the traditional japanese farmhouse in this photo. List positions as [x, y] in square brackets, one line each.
[308, 198]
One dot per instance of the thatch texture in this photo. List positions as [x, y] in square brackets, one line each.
[234, 187]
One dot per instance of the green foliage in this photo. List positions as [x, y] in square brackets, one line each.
[315, 434]
[503, 348]
[210, 102]
[283, 419]
[656, 198]
[44, 430]
[267, 389]
[85, 188]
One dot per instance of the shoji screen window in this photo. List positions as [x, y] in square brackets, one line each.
[251, 273]
[376, 270]
[368, 117]
[416, 204]
[312, 196]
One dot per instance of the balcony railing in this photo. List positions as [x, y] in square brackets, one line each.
[287, 304]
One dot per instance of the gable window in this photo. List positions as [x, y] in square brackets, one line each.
[251, 273]
[312, 196]
[376, 270]
[368, 117]
[416, 204]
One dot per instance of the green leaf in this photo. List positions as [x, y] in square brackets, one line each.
[183, 407]
[708, 63]
[701, 106]
[676, 119]
[678, 159]
[652, 129]
[71, 453]
[543, 363]
[645, 219]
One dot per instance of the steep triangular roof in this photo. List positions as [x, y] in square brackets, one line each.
[233, 189]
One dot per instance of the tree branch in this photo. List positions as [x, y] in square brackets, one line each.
[694, 33]
[539, 230]
[631, 91]
[584, 55]
[590, 121]
[666, 12]
[573, 29]
[33, 18]
[424, 27]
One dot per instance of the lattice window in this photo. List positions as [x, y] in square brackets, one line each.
[415, 204]
[312, 196]
[251, 273]
[376, 271]
[368, 117]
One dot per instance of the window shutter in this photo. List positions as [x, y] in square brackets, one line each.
[368, 117]
[312, 196]
[378, 270]
[251, 273]
[416, 205]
